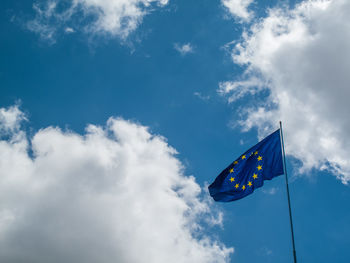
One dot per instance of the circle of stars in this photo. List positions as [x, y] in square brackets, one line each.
[254, 176]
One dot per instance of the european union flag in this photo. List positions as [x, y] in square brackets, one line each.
[261, 162]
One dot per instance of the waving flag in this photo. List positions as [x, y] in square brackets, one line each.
[261, 162]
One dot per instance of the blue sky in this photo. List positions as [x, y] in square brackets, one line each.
[237, 76]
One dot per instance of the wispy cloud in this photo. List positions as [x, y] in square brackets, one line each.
[266, 251]
[201, 96]
[69, 30]
[239, 9]
[10, 119]
[270, 191]
[239, 89]
[184, 48]
[117, 18]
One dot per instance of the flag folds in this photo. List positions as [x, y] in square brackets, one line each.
[261, 162]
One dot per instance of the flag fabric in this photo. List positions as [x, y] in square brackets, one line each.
[261, 162]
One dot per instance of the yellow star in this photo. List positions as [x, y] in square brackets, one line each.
[243, 187]
[259, 158]
[259, 167]
[243, 157]
[255, 176]
[232, 179]
[231, 170]
[250, 184]
[237, 185]
[235, 162]
[256, 153]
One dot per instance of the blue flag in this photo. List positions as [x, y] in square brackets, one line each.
[261, 162]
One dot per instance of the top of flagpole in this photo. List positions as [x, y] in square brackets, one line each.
[289, 207]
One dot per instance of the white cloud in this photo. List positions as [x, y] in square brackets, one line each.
[239, 8]
[115, 194]
[115, 18]
[10, 119]
[270, 191]
[201, 96]
[266, 251]
[239, 89]
[184, 49]
[69, 30]
[302, 57]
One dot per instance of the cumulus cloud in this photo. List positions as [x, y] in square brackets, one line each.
[302, 58]
[115, 194]
[115, 18]
[239, 8]
[184, 49]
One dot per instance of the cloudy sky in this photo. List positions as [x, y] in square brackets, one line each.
[115, 115]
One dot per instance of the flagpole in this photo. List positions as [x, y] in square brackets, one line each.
[290, 210]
